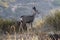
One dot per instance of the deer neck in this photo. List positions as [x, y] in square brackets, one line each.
[34, 14]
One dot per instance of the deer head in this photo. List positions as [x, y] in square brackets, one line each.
[35, 11]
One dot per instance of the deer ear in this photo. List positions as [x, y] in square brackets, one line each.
[34, 8]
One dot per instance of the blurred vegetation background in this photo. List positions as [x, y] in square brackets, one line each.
[5, 3]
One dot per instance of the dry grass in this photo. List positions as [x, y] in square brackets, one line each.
[27, 36]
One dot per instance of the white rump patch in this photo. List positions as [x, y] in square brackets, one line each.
[20, 19]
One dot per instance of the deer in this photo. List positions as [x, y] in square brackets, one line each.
[29, 18]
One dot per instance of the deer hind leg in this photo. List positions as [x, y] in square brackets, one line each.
[21, 28]
[24, 26]
[31, 25]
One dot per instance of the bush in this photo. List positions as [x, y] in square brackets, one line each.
[6, 24]
[54, 21]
